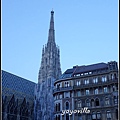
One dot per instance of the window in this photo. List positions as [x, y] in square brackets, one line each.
[112, 77]
[87, 92]
[104, 78]
[108, 115]
[86, 81]
[79, 104]
[78, 83]
[113, 87]
[85, 73]
[105, 89]
[97, 102]
[93, 116]
[107, 101]
[96, 91]
[115, 100]
[78, 93]
[67, 84]
[87, 103]
[58, 86]
[95, 80]
[57, 96]
[67, 105]
[98, 115]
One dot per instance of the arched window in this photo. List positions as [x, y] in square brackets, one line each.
[97, 102]
[67, 105]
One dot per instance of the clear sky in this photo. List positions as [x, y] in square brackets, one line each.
[85, 30]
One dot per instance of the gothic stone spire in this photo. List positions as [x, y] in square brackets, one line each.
[50, 63]
[49, 71]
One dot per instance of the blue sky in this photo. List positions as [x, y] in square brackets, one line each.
[85, 30]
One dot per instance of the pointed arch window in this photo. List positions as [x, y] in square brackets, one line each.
[97, 103]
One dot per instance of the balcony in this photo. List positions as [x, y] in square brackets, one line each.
[62, 89]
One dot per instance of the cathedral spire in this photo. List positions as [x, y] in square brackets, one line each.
[50, 63]
[51, 34]
[49, 71]
[52, 20]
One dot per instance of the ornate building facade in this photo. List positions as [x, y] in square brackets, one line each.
[17, 97]
[92, 88]
[49, 71]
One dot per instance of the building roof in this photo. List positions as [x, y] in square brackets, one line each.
[83, 69]
[20, 87]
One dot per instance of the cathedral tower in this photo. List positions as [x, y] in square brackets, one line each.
[50, 70]
[50, 63]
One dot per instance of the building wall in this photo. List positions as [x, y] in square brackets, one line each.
[97, 90]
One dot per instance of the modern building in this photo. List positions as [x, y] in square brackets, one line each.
[17, 97]
[49, 71]
[89, 91]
